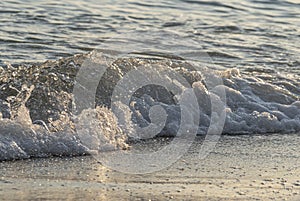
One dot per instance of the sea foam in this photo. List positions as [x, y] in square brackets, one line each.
[38, 119]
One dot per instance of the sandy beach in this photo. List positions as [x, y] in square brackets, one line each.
[239, 168]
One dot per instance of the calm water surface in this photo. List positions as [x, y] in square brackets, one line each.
[243, 34]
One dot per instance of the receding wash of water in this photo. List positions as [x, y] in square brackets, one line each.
[135, 84]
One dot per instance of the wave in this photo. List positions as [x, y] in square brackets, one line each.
[38, 117]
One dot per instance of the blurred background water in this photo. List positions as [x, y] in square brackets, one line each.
[242, 34]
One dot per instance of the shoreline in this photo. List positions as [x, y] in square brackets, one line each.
[239, 168]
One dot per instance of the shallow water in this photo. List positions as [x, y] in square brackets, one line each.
[241, 167]
[242, 34]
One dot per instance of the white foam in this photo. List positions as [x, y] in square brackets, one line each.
[253, 106]
[255, 103]
[22, 140]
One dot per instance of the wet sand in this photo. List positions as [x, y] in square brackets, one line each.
[239, 168]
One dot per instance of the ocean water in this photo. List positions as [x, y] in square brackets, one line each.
[239, 58]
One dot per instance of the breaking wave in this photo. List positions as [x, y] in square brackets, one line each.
[36, 105]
